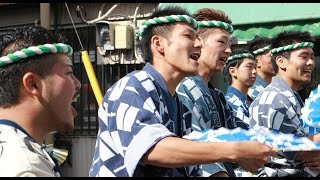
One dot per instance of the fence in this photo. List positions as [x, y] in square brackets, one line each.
[86, 122]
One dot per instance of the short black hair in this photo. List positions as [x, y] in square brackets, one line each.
[11, 74]
[233, 63]
[144, 45]
[209, 14]
[287, 38]
[258, 43]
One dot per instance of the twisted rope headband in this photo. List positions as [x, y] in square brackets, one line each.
[240, 56]
[291, 47]
[261, 50]
[35, 50]
[166, 19]
[219, 24]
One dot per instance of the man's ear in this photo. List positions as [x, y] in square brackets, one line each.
[281, 62]
[258, 62]
[157, 43]
[31, 84]
[233, 71]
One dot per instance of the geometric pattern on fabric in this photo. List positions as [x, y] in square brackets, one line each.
[278, 107]
[195, 95]
[137, 112]
[239, 104]
[257, 87]
[21, 156]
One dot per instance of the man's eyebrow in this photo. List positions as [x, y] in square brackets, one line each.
[306, 53]
[69, 65]
[189, 30]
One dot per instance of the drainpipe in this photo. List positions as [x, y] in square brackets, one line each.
[45, 20]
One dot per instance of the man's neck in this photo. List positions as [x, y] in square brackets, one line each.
[295, 86]
[170, 76]
[264, 76]
[205, 74]
[240, 87]
[26, 119]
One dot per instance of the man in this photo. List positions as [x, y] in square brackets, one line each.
[140, 120]
[260, 48]
[240, 72]
[278, 106]
[36, 93]
[207, 104]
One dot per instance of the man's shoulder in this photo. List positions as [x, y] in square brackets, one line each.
[20, 153]
[134, 79]
[271, 90]
[270, 97]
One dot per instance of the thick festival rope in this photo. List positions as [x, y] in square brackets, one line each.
[291, 47]
[219, 24]
[35, 50]
[261, 50]
[240, 56]
[166, 19]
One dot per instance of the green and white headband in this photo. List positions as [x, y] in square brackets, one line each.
[291, 47]
[35, 50]
[240, 56]
[219, 24]
[261, 50]
[166, 19]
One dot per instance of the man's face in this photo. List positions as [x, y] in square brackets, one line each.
[300, 65]
[216, 50]
[264, 64]
[182, 49]
[245, 74]
[61, 88]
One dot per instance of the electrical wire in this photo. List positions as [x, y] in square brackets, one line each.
[74, 26]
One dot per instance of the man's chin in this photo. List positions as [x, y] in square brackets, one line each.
[66, 130]
[193, 73]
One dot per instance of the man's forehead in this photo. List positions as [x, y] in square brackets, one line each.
[304, 50]
[183, 25]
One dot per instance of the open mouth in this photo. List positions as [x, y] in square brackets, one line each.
[195, 56]
[75, 97]
[224, 59]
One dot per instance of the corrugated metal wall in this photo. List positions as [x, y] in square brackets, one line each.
[81, 157]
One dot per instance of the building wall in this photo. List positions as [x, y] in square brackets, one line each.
[81, 157]
[27, 13]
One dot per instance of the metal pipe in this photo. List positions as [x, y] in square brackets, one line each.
[88, 66]
[45, 20]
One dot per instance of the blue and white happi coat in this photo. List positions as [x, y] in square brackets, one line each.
[136, 113]
[240, 105]
[196, 96]
[278, 107]
[257, 87]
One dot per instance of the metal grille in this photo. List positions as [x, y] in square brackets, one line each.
[86, 122]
